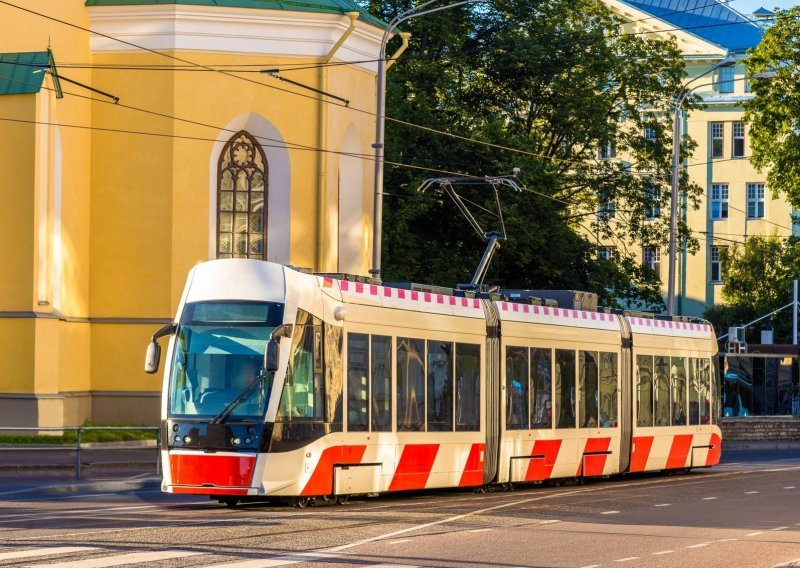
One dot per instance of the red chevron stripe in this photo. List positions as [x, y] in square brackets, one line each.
[715, 452]
[594, 464]
[640, 451]
[321, 481]
[473, 470]
[414, 467]
[681, 444]
[541, 468]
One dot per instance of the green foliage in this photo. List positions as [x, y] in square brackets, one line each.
[87, 436]
[774, 113]
[757, 279]
[552, 80]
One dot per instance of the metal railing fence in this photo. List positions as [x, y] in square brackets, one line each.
[78, 446]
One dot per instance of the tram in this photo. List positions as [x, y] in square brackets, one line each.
[279, 383]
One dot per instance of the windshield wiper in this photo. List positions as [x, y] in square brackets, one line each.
[248, 390]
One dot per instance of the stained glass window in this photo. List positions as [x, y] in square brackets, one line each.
[242, 199]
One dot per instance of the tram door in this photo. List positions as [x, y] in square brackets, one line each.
[493, 415]
[626, 395]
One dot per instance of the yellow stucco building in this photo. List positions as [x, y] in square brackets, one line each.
[736, 203]
[106, 206]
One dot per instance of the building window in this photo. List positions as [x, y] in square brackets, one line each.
[716, 263]
[719, 201]
[755, 200]
[649, 132]
[651, 257]
[738, 140]
[606, 253]
[607, 210]
[241, 199]
[607, 151]
[725, 79]
[717, 139]
[652, 200]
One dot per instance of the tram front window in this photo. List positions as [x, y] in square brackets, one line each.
[219, 351]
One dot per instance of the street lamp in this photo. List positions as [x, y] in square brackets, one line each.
[729, 61]
[380, 121]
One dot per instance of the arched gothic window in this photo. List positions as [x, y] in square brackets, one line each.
[242, 199]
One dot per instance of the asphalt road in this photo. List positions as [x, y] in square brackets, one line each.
[744, 513]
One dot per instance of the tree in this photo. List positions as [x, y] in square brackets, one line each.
[554, 81]
[757, 279]
[774, 113]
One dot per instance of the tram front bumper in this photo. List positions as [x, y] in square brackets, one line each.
[202, 473]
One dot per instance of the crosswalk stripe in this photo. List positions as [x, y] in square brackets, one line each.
[44, 552]
[120, 559]
[285, 560]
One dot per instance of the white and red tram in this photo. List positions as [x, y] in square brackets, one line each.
[285, 384]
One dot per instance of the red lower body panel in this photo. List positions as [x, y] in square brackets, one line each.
[211, 474]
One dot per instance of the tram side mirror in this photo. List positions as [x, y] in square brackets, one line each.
[271, 354]
[272, 349]
[153, 355]
[152, 358]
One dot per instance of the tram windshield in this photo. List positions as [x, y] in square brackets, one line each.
[218, 352]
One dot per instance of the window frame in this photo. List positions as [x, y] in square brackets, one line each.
[716, 140]
[651, 257]
[715, 263]
[737, 152]
[719, 195]
[756, 203]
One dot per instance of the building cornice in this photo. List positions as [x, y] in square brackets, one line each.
[236, 31]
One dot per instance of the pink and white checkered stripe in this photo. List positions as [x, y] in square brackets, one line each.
[559, 316]
[665, 327]
[401, 298]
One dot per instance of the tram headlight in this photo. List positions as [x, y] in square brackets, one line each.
[175, 427]
[186, 439]
[236, 440]
[177, 438]
[251, 430]
[247, 440]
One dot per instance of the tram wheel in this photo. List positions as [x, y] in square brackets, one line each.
[302, 502]
[509, 486]
[342, 499]
[481, 489]
[230, 502]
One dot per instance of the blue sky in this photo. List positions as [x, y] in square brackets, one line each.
[748, 6]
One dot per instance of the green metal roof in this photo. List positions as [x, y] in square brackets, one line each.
[323, 6]
[22, 73]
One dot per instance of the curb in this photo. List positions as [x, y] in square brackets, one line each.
[87, 486]
[11, 469]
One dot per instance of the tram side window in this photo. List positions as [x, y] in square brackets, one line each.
[303, 393]
[541, 388]
[694, 391]
[678, 383]
[410, 384]
[440, 386]
[608, 390]
[716, 412]
[587, 386]
[661, 391]
[565, 389]
[334, 378]
[357, 382]
[644, 390]
[381, 383]
[517, 379]
[468, 387]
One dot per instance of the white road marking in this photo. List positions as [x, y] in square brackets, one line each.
[702, 544]
[277, 561]
[121, 559]
[549, 522]
[480, 530]
[628, 559]
[726, 539]
[754, 533]
[591, 566]
[402, 540]
[708, 498]
[663, 552]
[779, 528]
[664, 505]
[790, 487]
[609, 512]
[44, 552]
[751, 492]
[392, 566]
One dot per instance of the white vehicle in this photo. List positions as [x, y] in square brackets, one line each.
[291, 385]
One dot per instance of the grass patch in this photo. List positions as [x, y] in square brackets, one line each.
[87, 436]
